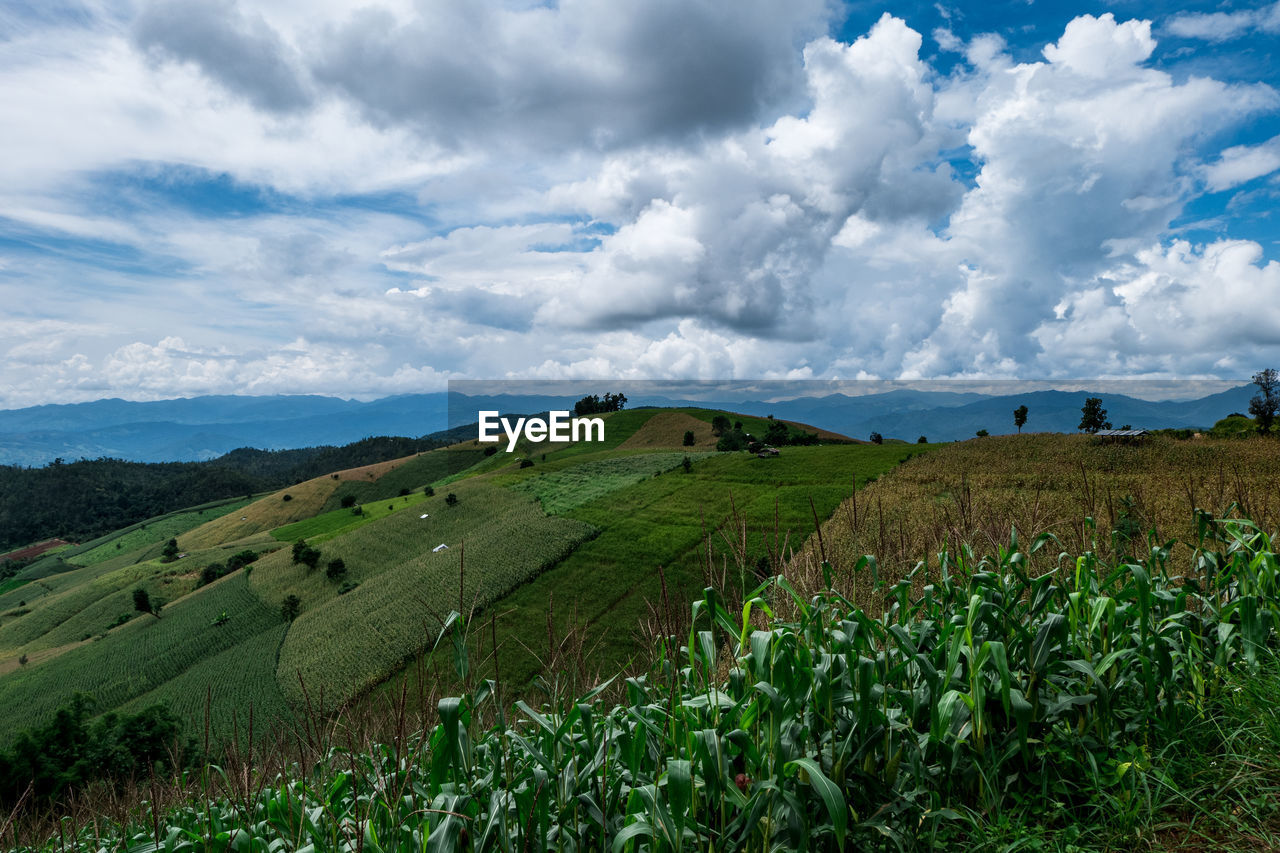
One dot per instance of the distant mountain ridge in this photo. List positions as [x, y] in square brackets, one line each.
[203, 428]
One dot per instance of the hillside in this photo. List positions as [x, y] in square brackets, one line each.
[568, 536]
[969, 642]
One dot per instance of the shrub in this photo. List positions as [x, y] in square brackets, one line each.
[348, 501]
[689, 438]
[287, 497]
[336, 570]
[526, 463]
[451, 499]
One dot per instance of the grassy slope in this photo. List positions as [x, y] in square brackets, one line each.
[152, 531]
[607, 582]
[142, 655]
[346, 643]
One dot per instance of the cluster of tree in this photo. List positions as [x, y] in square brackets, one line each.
[305, 554]
[213, 571]
[1265, 405]
[593, 404]
[74, 750]
[80, 501]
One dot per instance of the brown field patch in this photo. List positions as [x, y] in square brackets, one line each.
[667, 429]
[305, 500]
[10, 664]
[977, 491]
[370, 473]
[33, 550]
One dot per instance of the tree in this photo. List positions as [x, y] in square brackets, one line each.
[290, 607]
[348, 501]
[337, 569]
[1265, 405]
[689, 439]
[170, 552]
[922, 440]
[876, 438]
[451, 499]
[982, 433]
[720, 425]
[143, 604]
[687, 464]
[1020, 417]
[1092, 416]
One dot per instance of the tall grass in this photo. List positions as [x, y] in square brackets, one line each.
[990, 698]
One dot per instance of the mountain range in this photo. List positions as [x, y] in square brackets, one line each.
[201, 428]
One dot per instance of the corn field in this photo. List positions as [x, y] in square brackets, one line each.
[808, 723]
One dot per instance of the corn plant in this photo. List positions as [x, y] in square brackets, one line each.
[805, 723]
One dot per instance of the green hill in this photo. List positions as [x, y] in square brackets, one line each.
[552, 537]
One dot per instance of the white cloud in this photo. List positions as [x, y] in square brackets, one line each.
[1224, 26]
[562, 200]
[1242, 163]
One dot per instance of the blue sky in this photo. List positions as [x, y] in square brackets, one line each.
[363, 199]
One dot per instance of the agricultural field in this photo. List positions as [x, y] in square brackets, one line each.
[1091, 495]
[410, 474]
[152, 532]
[141, 655]
[336, 522]
[283, 507]
[667, 429]
[560, 487]
[714, 524]
[342, 644]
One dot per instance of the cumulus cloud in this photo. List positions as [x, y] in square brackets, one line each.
[581, 72]
[1224, 26]
[1242, 163]
[241, 51]
[664, 189]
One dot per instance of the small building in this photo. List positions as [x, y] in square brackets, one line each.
[1124, 436]
[440, 547]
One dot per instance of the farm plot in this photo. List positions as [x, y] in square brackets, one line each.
[283, 507]
[564, 488]
[233, 682]
[330, 524]
[414, 473]
[153, 531]
[977, 490]
[347, 643]
[140, 656]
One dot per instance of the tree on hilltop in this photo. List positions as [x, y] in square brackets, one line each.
[1092, 416]
[1265, 405]
[1020, 417]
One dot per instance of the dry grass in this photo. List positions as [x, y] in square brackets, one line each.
[305, 500]
[976, 491]
[370, 473]
[667, 429]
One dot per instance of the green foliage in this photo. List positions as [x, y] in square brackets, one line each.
[734, 439]
[153, 531]
[922, 440]
[594, 404]
[689, 439]
[140, 656]
[1234, 426]
[720, 424]
[1265, 405]
[985, 703]
[1020, 417]
[497, 541]
[982, 433]
[336, 570]
[143, 604]
[876, 438]
[1092, 416]
[451, 499]
[73, 749]
[564, 487]
[526, 463]
[348, 501]
[290, 608]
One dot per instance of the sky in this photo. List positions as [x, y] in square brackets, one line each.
[373, 198]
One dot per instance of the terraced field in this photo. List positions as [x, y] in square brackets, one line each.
[153, 532]
[142, 655]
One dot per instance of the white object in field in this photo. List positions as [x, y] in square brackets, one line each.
[440, 547]
[424, 515]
